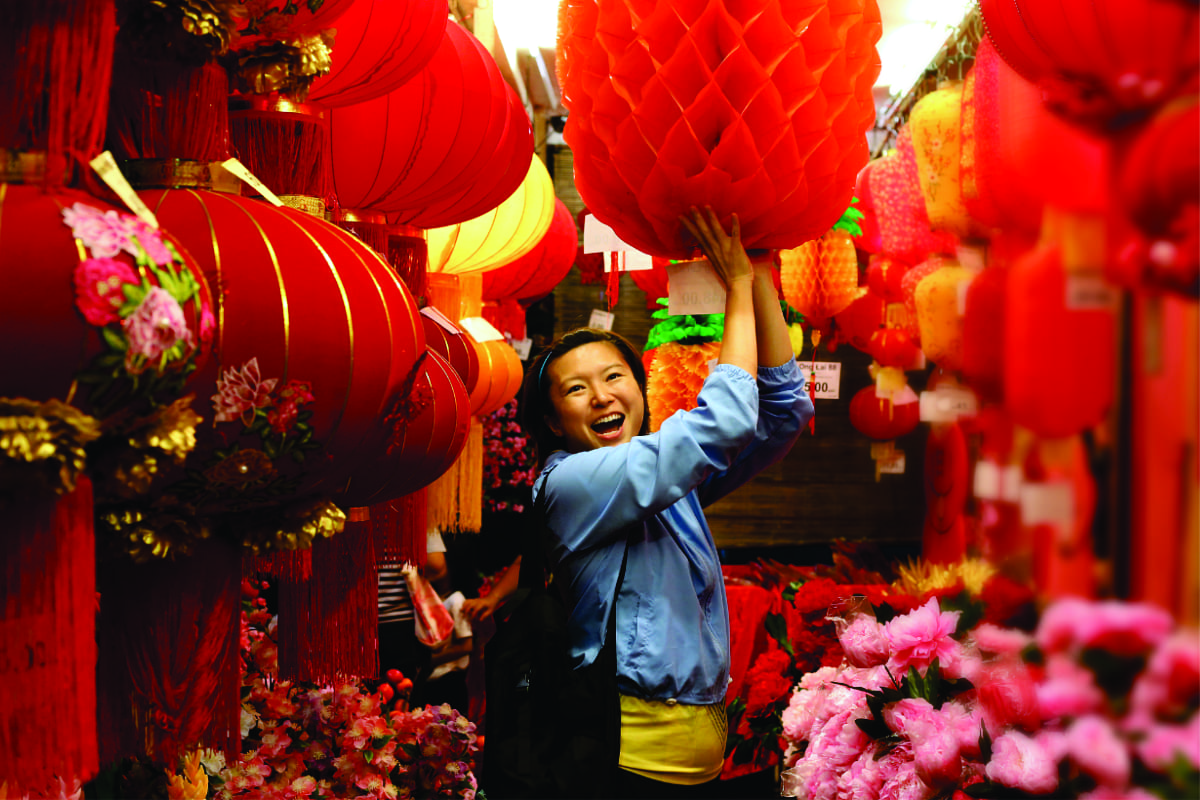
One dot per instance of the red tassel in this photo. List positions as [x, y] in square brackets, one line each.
[409, 257]
[285, 150]
[188, 118]
[327, 623]
[291, 565]
[47, 642]
[170, 666]
[614, 281]
[398, 529]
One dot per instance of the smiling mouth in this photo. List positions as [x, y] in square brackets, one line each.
[609, 425]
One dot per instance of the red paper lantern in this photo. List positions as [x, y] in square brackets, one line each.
[947, 468]
[884, 276]
[456, 347]
[757, 109]
[302, 301]
[983, 362]
[860, 320]
[884, 418]
[1096, 60]
[380, 45]
[1059, 359]
[892, 347]
[445, 147]
[536, 273]
[895, 187]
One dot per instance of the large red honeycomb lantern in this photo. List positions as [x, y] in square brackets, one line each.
[754, 108]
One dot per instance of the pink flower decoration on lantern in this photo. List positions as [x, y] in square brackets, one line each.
[921, 636]
[102, 232]
[865, 642]
[98, 292]
[146, 236]
[1021, 763]
[154, 328]
[293, 395]
[240, 391]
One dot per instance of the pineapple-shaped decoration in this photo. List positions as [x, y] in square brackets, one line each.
[679, 352]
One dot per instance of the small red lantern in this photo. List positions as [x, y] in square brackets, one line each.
[860, 320]
[892, 347]
[884, 276]
[885, 418]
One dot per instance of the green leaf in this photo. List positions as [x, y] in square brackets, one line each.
[777, 627]
[789, 594]
[985, 743]
[114, 338]
[369, 755]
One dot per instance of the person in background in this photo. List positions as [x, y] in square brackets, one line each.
[399, 647]
[610, 486]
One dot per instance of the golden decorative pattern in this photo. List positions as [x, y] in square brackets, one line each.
[298, 528]
[50, 436]
[147, 533]
[919, 577]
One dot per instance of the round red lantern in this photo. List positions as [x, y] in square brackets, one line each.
[884, 276]
[860, 320]
[885, 418]
[446, 146]
[1059, 355]
[316, 339]
[892, 347]
[536, 273]
[756, 109]
[455, 346]
[380, 45]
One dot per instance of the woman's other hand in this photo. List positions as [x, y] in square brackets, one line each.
[723, 250]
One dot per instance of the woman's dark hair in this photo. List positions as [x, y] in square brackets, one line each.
[535, 399]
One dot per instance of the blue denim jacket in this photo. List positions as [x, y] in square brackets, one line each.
[672, 624]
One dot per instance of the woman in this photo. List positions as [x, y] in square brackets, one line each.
[604, 475]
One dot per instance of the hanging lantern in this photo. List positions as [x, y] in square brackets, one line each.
[884, 276]
[947, 467]
[936, 122]
[1063, 554]
[379, 47]
[1097, 60]
[983, 333]
[871, 240]
[895, 186]
[820, 278]
[892, 347]
[885, 418]
[908, 285]
[467, 148]
[675, 105]
[497, 237]
[536, 273]
[1059, 328]
[860, 320]
[455, 346]
[936, 301]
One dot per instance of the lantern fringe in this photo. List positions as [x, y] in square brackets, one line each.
[56, 57]
[290, 565]
[327, 623]
[398, 529]
[456, 498]
[285, 151]
[169, 667]
[48, 694]
[187, 119]
[409, 257]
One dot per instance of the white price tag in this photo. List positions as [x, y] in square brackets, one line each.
[106, 167]
[600, 238]
[948, 404]
[893, 465]
[441, 319]
[627, 261]
[239, 170]
[1011, 480]
[601, 319]
[826, 378]
[987, 480]
[522, 346]
[1088, 291]
[694, 289]
[481, 329]
[1052, 502]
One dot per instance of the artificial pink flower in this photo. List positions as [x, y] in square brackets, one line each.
[1067, 690]
[1008, 697]
[922, 635]
[1171, 681]
[1127, 629]
[903, 715]
[1095, 747]
[98, 292]
[150, 240]
[1001, 641]
[905, 784]
[937, 758]
[240, 391]
[865, 642]
[862, 779]
[1018, 762]
[102, 232]
[1164, 743]
[154, 327]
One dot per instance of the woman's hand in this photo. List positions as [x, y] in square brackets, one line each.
[724, 251]
[479, 608]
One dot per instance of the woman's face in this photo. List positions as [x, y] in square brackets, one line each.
[596, 398]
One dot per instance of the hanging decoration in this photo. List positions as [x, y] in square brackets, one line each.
[684, 347]
[895, 186]
[758, 109]
[820, 278]
[936, 125]
[1098, 62]
[445, 147]
[947, 467]
[884, 417]
[936, 298]
[860, 320]
[908, 286]
[536, 273]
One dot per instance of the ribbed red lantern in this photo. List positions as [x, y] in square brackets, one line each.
[307, 302]
[859, 321]
[456, 347]
[1059, 358]
[892, 347]
[895, 187]
[758, 109]
[1096, 60]
[380, 45]
[884, 418]
[448, 145]
[536, 273]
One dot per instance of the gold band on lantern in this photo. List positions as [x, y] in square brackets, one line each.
[44, 442]
[179, 173]
[313, 206]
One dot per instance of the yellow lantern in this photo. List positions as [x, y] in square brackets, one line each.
[497, 237]
[938, 315]
[936, 124]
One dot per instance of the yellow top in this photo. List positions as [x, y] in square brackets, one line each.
[672, 742]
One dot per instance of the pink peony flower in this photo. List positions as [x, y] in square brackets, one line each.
[1067, 690]
[154, 327]
[1095, 747]
[1007, 697]
[1171, 681]
[966, 724]
[1053, 744]
[1125, 628]
[937, 758]
[905, 784]
[903, 715]
[102, 232]
[98, 292]
[1018, 762]
[865, 642]
[240, 391]
[137, 233]
[922, 635]
[1164, 743]
[1001, 641]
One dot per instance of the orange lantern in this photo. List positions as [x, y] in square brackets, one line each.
[820, 278]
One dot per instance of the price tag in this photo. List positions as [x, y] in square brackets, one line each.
[1052, 502]
[106, 167]
[481, 329]
[948, 404]
[1088, 291]
[693, 288]
[441, 319]
[522, 346]
[600, 238]
[893, 465]
[601, 319]
[826, 378]
[628, 260]
[1011, 480]
[987, 480]
[239, 169]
